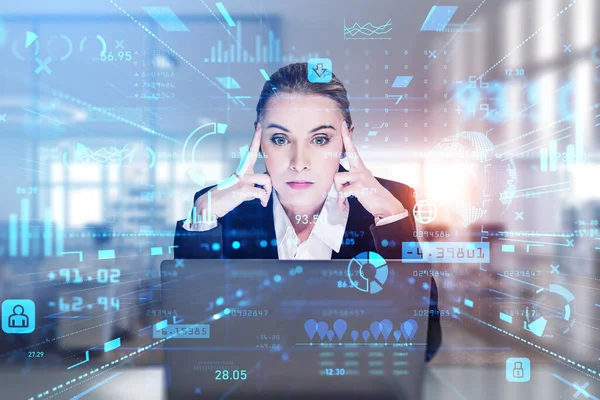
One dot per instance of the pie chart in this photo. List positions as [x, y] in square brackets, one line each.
[368, 272]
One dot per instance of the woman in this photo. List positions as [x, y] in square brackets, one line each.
[318, 209]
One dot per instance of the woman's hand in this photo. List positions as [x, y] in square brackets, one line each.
[360, 183]
[225, 200]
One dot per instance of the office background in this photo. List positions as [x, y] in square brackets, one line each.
[496, 129]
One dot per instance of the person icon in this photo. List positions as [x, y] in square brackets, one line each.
[18, 319]
[18, 316]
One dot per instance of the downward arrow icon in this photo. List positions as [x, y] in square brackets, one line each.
[319, 68]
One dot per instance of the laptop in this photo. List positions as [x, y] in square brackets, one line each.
[285, 329]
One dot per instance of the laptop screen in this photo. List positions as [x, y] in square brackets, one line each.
[261, 328]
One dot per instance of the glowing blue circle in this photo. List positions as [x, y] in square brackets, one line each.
[363, 283]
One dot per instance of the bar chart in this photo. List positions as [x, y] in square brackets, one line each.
[205, 216]
[265, 51]
[24, 234]
[550, 157]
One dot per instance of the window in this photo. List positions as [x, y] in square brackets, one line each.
[76, 191]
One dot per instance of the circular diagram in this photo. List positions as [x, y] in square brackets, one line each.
[55, 50]
[31, 52]
[551, 312]
[190, 150]
[368, 272]
[191, 153]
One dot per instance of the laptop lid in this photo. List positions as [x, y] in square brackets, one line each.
[294, 329]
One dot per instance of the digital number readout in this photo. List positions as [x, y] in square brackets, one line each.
[447, 252]
[183, 331]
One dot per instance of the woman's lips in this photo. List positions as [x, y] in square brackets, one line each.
[300, 185]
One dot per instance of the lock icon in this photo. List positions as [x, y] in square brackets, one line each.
[518, 369]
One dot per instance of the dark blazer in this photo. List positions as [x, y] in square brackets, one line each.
[250, 224]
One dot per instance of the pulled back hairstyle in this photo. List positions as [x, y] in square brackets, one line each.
[293, 78]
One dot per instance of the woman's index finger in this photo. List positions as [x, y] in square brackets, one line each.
[351, 152]
[255, 145]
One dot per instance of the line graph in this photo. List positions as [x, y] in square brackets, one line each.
[367, 31]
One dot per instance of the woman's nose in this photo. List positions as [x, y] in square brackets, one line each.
[299, 161]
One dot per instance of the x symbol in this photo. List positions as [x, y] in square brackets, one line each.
[570, 242]
[432, 53]
[43, 65]
[179, 263]
[567, 48]
[582, 387]
[519, 216]
[119, 44]
[2, 117]
[555, 269]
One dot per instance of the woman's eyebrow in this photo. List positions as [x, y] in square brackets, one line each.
[278, 127]
[318, 128]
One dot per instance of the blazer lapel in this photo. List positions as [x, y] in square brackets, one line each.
[357, 237]
[270, 252]
[252, 223]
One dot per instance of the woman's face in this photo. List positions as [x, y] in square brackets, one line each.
[302, 142]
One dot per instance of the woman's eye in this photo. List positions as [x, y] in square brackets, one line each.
[278, 140]
[321, 140]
